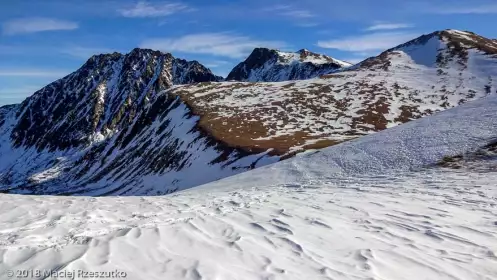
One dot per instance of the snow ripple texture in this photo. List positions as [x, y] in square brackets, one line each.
[364, 209]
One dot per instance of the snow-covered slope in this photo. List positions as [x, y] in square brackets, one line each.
[267, 65]
[364, 209]
[109, 128]
[429, 74]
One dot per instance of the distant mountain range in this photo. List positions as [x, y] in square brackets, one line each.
[146, 123]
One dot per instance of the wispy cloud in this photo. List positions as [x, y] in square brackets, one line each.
[219, 44]
[216, 63]
[80, 52]
[45, 73]
[298, 14]
[369, 42]
[144, 9]
[307, 24]
[388, 26]
[31, 25]
[470, 9]
[84, 52]
[291, 11]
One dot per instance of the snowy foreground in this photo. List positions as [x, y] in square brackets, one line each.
[364, 209]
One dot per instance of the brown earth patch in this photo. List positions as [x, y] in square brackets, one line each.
[245, 130]
[407, 113]
[278, 124]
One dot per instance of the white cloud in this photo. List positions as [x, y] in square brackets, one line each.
[307, 24]
[46, 73]
[388, 26]
[298, 14]
[84, 52]
[474, 9]
[369, 42]
[31, 25]
[220, 44]
[290, 11]
[144, 9]
[216, 63]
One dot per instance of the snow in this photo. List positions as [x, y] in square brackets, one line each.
[364, 209]
[425, 54]
[198, 161]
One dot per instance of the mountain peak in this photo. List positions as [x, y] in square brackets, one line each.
[270, 65]
[103, 96]
[455, 39]
[435, 49]
[469, 40]
[261, 54]
[145, 51]
[96, 58]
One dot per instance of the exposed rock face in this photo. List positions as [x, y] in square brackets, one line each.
[267, 65]
[101, 97]
[482, 160]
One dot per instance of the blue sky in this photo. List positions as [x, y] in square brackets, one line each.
[41, 41]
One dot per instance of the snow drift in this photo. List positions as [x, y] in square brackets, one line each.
[375, 207]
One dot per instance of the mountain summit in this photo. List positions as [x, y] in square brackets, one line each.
[440, 49]
[102, 97]
[269, 65]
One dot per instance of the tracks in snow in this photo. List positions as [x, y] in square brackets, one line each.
[437, 222]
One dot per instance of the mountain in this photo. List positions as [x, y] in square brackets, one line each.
[429, 74]
[268, 65]
[110, 127]
[442, 49]
[146, 123]
[102, 97]
[373, 208]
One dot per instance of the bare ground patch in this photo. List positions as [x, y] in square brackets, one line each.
[482, 160]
